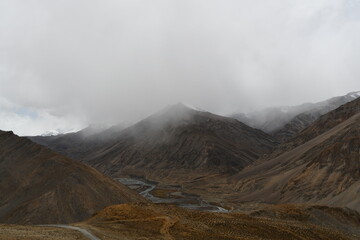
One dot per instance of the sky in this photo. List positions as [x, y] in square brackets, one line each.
[70, 63]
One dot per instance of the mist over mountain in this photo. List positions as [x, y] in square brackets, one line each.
[285, 122]
[180, 119]
[171, 143]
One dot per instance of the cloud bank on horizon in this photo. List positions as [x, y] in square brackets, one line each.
[65, 64]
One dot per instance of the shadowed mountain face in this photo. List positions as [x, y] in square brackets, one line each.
[295, 125]
[180, 141]
[321, 164]
[285, 122]
[39, 186]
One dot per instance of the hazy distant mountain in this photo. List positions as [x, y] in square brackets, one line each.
[321, 164]
[77, 144]
[57, 132]
[285, 122]
[39, 186]
[176, 141]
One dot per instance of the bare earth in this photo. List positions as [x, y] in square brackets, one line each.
[19, 232]
[144, 221]
[167, 222]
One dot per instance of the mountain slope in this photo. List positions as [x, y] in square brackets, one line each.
[323, 124]
[295, 125]
[39, 186]
[181, 141]
[285, 122]
[319, 165]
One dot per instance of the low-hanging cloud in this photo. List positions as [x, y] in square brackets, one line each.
[71, 63]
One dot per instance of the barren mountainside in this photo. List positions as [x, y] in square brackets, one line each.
[39, 186]
[319, 165]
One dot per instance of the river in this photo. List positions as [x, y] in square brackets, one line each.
[179, 198]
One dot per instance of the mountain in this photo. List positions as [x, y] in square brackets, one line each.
[180, 141]
[77, 144]
[39, 186]
[285, 122]
[319, 165]
[176, 142]
[295, 125]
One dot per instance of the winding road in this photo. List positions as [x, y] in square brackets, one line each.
[85, 232]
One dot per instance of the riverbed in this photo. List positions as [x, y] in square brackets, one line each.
[170, 194]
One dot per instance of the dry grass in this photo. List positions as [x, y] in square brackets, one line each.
[18, 232]
[160, 221]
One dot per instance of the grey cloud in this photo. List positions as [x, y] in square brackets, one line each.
[119, 61]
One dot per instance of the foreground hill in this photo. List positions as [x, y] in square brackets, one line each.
[169, 222]
[39, 186]
[320, 165]
[161, 221]
[181, 143]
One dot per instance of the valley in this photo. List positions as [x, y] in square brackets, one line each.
[180, 120]
[170, 194]
[185, 174]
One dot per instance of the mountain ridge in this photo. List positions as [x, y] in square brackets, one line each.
[285, 122]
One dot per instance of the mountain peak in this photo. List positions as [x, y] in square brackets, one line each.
[173, 113]
[181, 107]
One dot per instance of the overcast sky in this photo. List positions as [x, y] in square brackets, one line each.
[67, 63]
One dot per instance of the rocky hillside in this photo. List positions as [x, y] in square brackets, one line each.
[39, 186]
[319, 165]
[169, 222]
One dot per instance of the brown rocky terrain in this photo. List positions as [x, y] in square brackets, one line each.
[148, 221]
[39, 186]
[162, 221]
[319, 165]
[21, 232]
